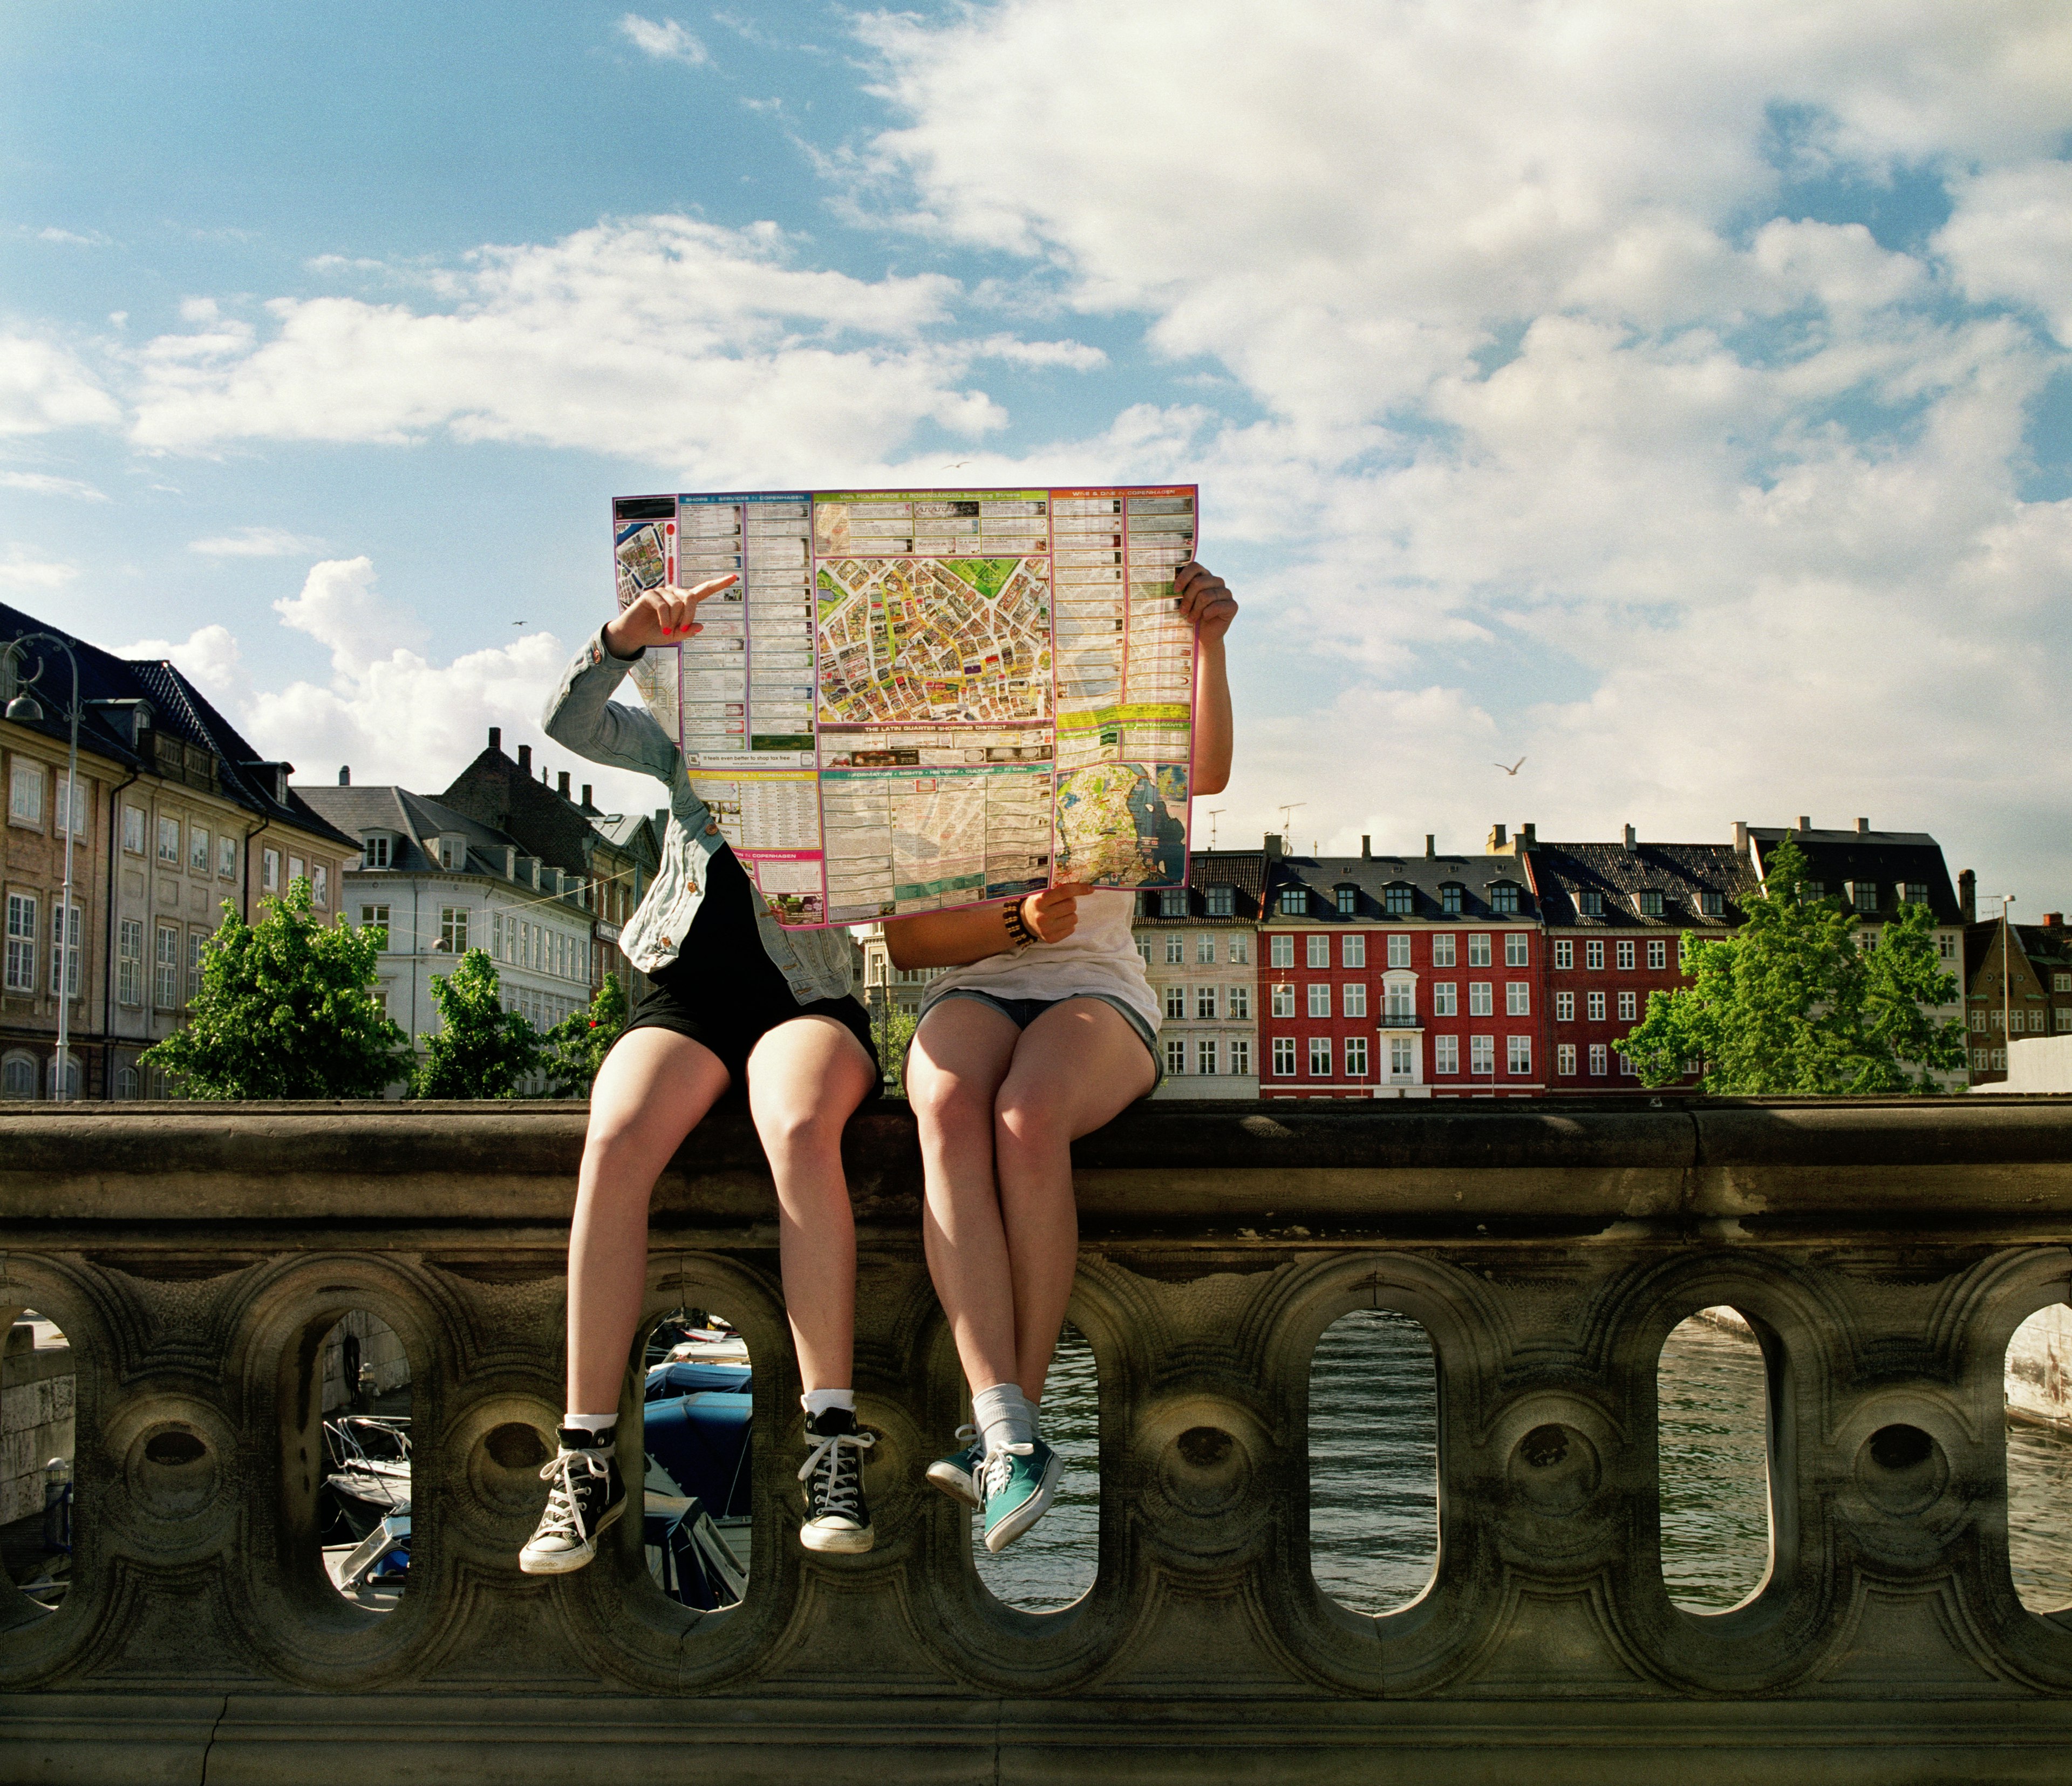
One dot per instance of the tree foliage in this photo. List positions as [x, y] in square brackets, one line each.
[1791, 1005]
[284, 1011]
[892, 1028]
[576, 1046]
[480, 1049]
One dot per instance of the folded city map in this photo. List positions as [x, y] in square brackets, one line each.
[914, 700]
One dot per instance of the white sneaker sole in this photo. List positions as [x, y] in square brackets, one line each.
[847, 1540]
[1030, 1510]
[567, 1562]
[955, 1483]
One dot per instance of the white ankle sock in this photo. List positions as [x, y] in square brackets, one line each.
[1003, 1417]
[590, 1423]
[817, 1402]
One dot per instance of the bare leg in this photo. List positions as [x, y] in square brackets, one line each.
[961, 1053]
[1076, 1068]
[655, 1088]
[805, 1079]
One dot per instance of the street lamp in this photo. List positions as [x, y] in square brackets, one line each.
[2007, 994]
[26, 709]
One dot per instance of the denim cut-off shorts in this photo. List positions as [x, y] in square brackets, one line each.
[1022, 1012]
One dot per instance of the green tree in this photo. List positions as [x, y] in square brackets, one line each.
[480, 1049]
[284, 1011]
[576, 1046]
[891, 1029]
[1790, 1005]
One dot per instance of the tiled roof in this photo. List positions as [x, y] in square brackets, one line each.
[412, 818]
[1833, 857]
[546, 824]
[1564, 873]
[1370, 876]
[1242, 870]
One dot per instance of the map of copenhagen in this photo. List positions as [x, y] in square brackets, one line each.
[907, 641]
[1122, 825]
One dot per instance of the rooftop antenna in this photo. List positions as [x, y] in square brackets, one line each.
[1286, 824]
[1215, 812]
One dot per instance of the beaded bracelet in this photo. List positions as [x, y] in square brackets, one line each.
[1018, 932]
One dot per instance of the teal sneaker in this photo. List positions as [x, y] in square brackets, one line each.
[957, 1474]
[1021, 1482]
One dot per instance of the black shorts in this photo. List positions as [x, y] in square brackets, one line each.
[731, 1026]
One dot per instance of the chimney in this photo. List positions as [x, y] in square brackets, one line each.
[1366, 847]
[2053, 920]
[1528, 837]
[510, 862]
[345, 775]
[1431, 845]
[1863, 827]
[1741, 837]
[525, 761]
[1968, 896]
[1632, 841]
[496, 738]
[1805, 823]
[1499, 842]
[588, 803]
[1273, 846]
[563, 789]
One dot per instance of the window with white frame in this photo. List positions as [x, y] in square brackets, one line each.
[1283, 999]
[1712, 905]
[198, 853]
[1442, 951]
[1294, 902]
[1176, 1003]
[1283, 1057]
[1355, 1057]
[1352, 951]
[1220, 902]
[320, 884]
[1401, 999]
[298, 869]
[1593, 956]
[1503, 897]
[1518, 997]
[375, 917]
[1445, 1054]
[1590, 905]
[1237, 1002]
[1317, 952]
[1599, 1061]
[2000, 1060]
[1240, 948]
[1241, 1057]
[169, 841]
[1402, 1057]
[1176, 1057]
[77, 802]
[1564, 1007]
[64, 951]
[1205, 1003]
[25, 794]
[374, 849]
[1626, 1065]
[1658, 955]
[21, 974]
[1594, 1007]
[453, 929]
[1864, 895]
[270, 870]
[1517, 949]
[166, 966]
[1144, 950]
[1480, 998]
[1348, 900]
[2064, 1017]
[126, 1083]
[1629, 1007]
[1398, 951]
[2060, 982]
[18, 1076]
[1320, 1057]
[1564, 1061]
[226, 858]
[1450, 895]
[1518, 1056]
[1176, 949]
[1353, 998]
[1916, 893]
[1479, 950]
[1946, 947]
[1626, 957]
[1444, 1000]
[1320, 998]
[133, 829]
[197, 941]
[129, 961]
[1205, 1059]
[1205, 946]
[1482, 1054]
[1648, 903]
[1564, 955]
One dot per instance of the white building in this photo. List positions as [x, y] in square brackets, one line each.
[1199, 944]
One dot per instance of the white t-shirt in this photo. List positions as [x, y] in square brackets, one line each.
[1100, 956]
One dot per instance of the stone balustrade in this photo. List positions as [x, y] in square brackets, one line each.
[197, 1256]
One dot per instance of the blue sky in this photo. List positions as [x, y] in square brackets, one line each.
[1679, 399]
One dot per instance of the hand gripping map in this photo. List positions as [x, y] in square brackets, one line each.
[920, 699]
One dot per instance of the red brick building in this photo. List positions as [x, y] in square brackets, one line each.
[1400, 977]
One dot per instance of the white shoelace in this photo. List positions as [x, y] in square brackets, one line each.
[563, 1518]
[997, 1469]
[839, 1496]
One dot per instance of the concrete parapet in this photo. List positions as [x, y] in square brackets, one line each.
[1882, 1254]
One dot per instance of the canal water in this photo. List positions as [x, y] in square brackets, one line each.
[1372, 1447]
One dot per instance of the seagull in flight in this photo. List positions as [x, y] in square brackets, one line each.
[959, 465]
[1509, 769]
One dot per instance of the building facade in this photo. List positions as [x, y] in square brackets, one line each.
[2017, 986]
[1200, 947]
[1400, 977]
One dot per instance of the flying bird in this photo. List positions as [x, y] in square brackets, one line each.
[1509, 769]
[959, 465]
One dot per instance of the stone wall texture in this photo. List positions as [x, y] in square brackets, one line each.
[35, 1414]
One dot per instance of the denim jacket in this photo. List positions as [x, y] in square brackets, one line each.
[583, 718]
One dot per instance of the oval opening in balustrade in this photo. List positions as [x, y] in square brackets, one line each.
[2039, 1459]
[364, 1502]
[1374, 1461]
[697, 1411]
[1712, 1403]
[1056, 1561]
[37, 1382]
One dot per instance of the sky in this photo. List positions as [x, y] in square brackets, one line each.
[1678, 397]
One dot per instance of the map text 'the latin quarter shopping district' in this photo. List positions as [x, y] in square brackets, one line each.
[914, 700]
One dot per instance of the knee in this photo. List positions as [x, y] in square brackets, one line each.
[798, 1131]
[1028, 1121]
[944, 1106]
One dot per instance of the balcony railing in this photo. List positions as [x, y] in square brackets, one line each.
[196, 1257]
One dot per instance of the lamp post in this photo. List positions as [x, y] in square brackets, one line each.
[2007, 993]
[25, 709]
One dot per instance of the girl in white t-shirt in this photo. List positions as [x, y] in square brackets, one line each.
[1044, 1029]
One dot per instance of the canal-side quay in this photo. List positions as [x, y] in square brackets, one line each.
[1884, 1254]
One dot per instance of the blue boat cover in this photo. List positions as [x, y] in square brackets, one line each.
[689, 1377]
[701, 1441]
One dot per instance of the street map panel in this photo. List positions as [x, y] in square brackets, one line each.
[916, 700]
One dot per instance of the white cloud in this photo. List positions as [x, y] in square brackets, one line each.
[209, 657]
[44, 386]
[41, 484]
[2010, 237]
[26, 571]
[257, 542]
[340, 608]
[666, 41]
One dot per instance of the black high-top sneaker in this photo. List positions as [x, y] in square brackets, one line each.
[837, 1517]
[586, 1498]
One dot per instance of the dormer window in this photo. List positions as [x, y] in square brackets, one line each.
[1917, 892]
[1449, 898]
[1399, 900]
[1348, 901]
[374, 849]
[1503, 897]
[1863, 896]
[1712, 905]
[1294, 902]
[1648, 903]
[1221, 902]
[453, 853]
[1172, 902]
[1590, 905]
